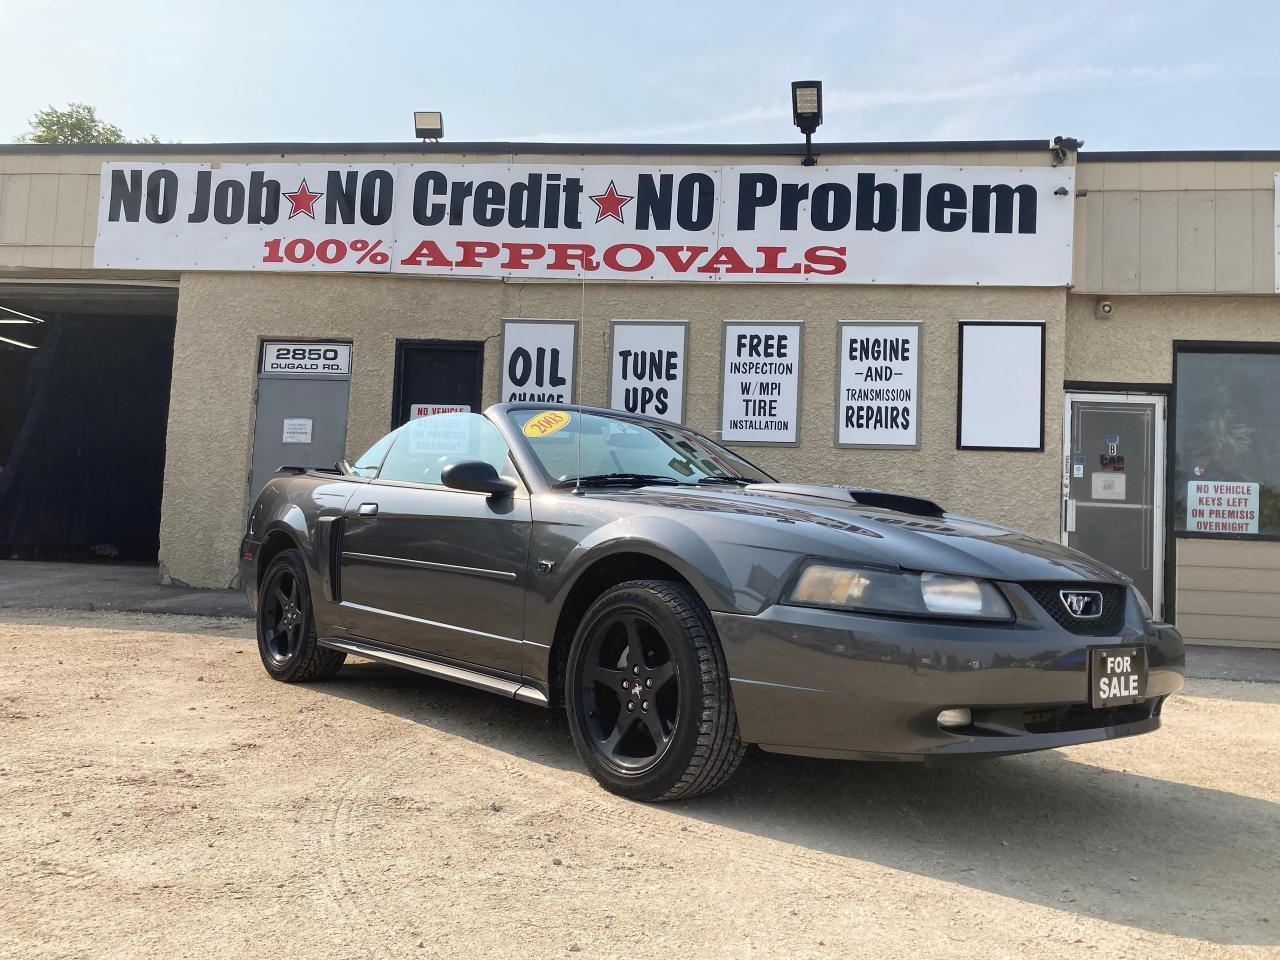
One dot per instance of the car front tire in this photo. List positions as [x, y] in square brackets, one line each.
[647, 694]
[286, 624]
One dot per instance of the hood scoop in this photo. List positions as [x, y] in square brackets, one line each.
[861, 496]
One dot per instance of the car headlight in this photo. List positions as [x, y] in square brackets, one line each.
[889, 591]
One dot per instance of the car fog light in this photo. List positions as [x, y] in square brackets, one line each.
[959, 717]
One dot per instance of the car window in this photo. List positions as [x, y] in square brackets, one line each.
[367, 463]
[571, 444]
[424, 447]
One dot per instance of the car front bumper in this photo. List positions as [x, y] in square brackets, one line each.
[830, 683]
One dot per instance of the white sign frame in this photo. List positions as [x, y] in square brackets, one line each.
[988, 401]
[916, 405]
[615, 385]
[508, 325]
[728, 329]
[343, 360]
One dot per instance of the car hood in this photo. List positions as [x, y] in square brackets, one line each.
[885, 528]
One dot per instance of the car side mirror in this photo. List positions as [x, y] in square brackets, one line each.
[477, 476]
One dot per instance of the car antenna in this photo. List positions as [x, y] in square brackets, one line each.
[577, 353]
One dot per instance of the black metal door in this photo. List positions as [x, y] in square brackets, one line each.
[435, 374]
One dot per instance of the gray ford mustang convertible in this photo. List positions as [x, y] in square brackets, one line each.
[680, 603]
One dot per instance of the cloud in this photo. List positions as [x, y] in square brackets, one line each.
[1007, 86]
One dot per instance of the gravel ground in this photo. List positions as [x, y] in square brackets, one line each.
[161, 797]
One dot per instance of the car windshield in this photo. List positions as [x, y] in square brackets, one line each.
[575, 446]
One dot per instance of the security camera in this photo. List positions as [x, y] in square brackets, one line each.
[1061, 192]
[1102, 309]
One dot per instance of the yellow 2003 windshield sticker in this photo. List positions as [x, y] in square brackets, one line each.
[545, 424]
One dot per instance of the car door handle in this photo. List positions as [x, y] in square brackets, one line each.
[368, 510]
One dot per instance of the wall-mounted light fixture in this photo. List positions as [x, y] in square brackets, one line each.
[428, 124]
[806, 113]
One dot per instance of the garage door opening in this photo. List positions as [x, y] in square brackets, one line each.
[82, 437]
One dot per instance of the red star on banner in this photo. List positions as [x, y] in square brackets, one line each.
[303, 200]
[610, 204]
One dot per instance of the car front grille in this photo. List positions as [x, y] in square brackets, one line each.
[1114, 598]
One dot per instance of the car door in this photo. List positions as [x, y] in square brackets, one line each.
[436, 570]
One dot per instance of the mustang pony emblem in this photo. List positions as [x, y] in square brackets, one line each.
[1082, 604]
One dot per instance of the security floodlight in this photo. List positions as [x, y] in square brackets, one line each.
[428, 124]
[806, 113]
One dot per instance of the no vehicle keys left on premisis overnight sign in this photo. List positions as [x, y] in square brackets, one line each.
[840, 224]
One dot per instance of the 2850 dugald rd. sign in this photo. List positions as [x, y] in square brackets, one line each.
[838, 224]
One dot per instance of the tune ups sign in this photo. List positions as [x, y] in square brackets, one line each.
[839, 224]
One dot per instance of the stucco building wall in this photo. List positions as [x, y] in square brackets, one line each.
[225, 316]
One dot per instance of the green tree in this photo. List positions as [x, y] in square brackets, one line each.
[78, 123]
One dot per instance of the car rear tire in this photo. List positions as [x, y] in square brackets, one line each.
[287, 627]
[647, 694]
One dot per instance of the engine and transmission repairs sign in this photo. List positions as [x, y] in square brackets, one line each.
[843, 224]
[878, 403]
[1215, 506]
[760, 393]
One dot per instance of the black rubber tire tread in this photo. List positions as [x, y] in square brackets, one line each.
[719, 748]
[311, 661]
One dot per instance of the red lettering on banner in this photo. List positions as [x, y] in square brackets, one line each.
[771, 265]
[474, 250]
[572, 256]
[519, 255]
[725, 259]
[827, 261]
[678, 263]
[427, 252]
[610, 257]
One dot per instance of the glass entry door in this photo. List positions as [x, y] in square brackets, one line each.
[1113, 484]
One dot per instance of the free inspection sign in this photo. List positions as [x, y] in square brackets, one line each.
[1005, 226]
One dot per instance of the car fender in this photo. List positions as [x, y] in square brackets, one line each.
[662, 538]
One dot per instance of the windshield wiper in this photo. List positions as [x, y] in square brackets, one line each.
[618, 480]
[734, 480]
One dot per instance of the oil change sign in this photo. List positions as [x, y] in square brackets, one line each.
[1222, 507]
[879, 395]
[759, 401]
[913, 224]
[648, 368]
[538, 360]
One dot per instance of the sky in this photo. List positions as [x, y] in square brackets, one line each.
[1118, 75]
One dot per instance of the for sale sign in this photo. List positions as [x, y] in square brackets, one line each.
[759, 400]
[878, 401]
[839, 224]
[1215, 506]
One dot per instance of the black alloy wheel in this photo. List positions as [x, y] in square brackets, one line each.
[282, 619]
[647, 693]
[286, 624]
[628, 690]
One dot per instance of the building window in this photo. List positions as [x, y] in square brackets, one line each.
[1227, 447]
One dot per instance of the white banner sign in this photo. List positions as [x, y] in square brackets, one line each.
[647, 368]
[1215, 506]
[759, 401]
[841, 224]
[302, 359]
[878, 403]
[538, 360]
